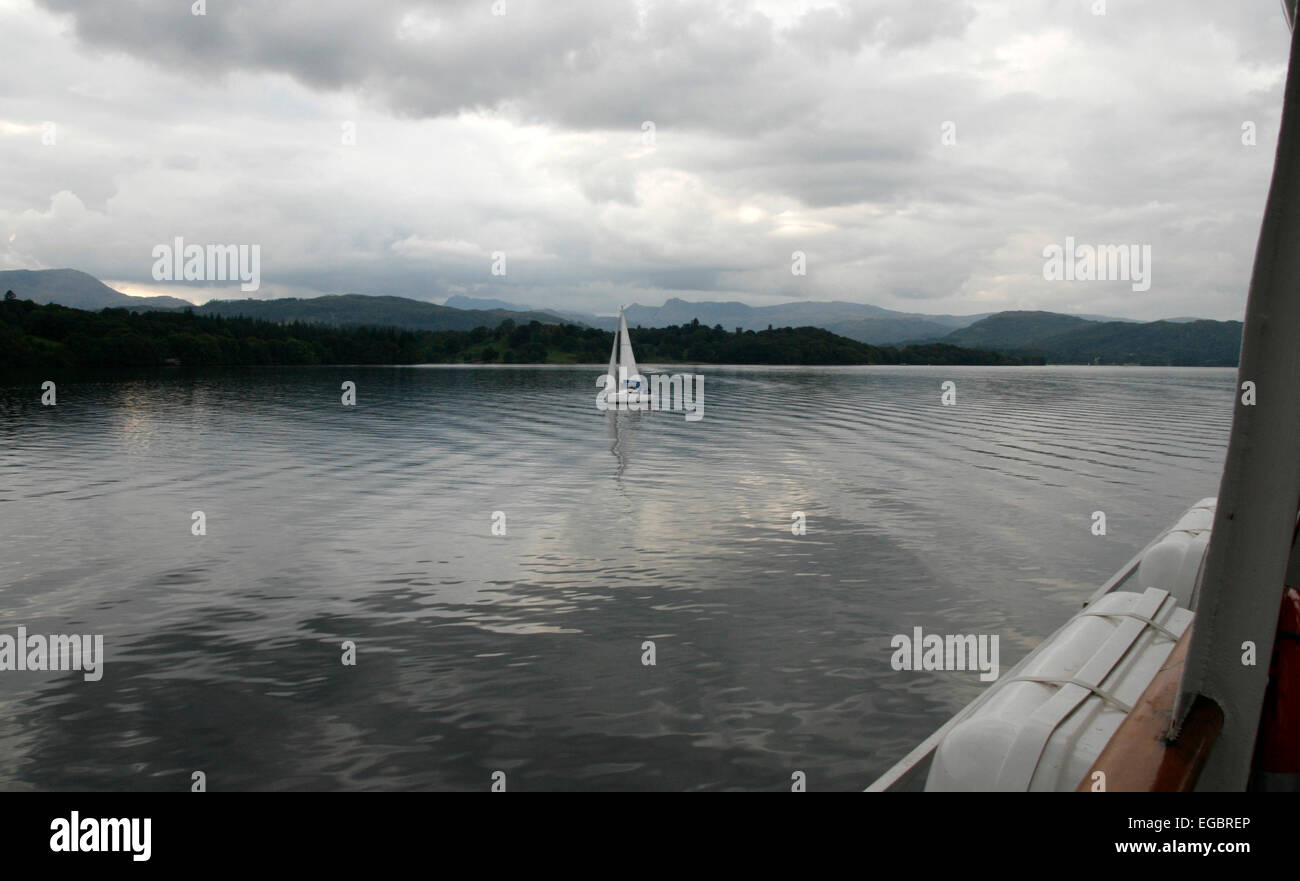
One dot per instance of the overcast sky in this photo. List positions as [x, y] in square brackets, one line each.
[776, 127]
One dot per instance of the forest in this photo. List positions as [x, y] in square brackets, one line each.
[35, 335]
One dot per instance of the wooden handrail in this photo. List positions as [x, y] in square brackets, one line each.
[1140, 757]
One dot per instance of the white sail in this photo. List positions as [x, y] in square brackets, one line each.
[625, 359]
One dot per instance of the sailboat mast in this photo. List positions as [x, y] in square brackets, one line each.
[613, 355]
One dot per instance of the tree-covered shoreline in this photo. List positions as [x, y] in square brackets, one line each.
[34, 335]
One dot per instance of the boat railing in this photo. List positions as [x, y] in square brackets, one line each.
[917, 761]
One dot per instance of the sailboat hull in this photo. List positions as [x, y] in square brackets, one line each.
[628, 397]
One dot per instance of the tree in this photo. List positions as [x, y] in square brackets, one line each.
[10, 295]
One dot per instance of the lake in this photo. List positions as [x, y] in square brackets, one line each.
[526, 652]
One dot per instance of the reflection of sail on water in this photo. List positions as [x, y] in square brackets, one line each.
[622, 434]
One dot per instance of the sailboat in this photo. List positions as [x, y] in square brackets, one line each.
[1169, 679]
[626, 386]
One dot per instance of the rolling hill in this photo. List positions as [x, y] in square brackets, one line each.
[1182, 344]
[1067, 339]
[76, 290]
[1058, 338]
[1023, 330]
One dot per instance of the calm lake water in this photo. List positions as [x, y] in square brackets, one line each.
[523, 653]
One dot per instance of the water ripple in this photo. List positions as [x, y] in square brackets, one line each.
[522, 652]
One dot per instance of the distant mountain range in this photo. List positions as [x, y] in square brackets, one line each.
[857, 321]
[582, 319]
[76, 290]
[1068, 339]
[357, 310]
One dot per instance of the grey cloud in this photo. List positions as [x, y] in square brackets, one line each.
[226, 127]
[891, 24]
[588, 64]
